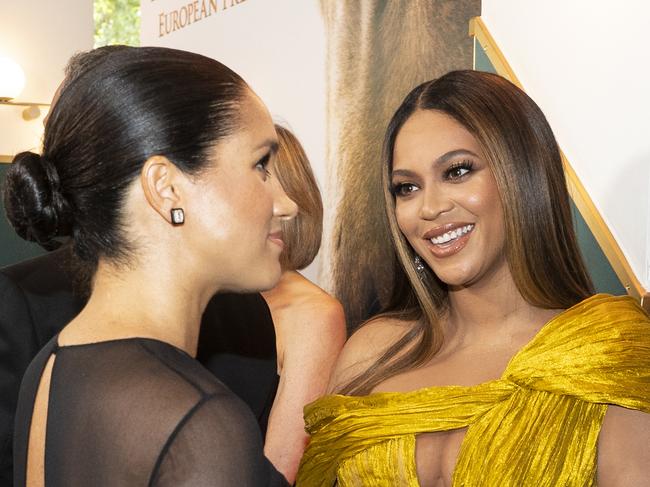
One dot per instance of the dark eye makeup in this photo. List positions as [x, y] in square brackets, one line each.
[458, 170]
[403, 189]
[262, 165]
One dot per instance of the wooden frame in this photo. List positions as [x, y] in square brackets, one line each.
[581, 198]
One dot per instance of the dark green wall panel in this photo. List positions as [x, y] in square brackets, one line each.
[13, 248]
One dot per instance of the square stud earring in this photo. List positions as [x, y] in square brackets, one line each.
[178, 216]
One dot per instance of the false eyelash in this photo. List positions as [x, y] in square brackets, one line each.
[264, 163]
[395, 189]
[467, 164]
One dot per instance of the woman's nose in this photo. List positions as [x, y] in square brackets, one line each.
[434, 203]
[283, 206]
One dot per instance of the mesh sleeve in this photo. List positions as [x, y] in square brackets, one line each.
[218, 443]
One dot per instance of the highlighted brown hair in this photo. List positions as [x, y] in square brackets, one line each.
[302, 235]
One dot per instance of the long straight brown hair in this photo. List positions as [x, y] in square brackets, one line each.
[541, 247]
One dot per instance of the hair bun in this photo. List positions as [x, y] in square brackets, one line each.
[33, 200]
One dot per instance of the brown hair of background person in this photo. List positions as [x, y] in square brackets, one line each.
[302, 235]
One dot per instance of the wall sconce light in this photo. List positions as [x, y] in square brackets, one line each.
[12, 82]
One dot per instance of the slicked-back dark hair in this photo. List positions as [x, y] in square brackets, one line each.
[117, 111]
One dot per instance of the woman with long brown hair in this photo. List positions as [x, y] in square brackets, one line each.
[494, 364]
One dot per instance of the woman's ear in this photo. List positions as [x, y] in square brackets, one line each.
[161, 181]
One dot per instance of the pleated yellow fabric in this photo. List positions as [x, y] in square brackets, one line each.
[536, 425]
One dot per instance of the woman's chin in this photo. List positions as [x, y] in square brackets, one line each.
[254, 281]
[268, 280]
[457, 280]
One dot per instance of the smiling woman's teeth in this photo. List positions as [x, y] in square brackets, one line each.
[451, 235]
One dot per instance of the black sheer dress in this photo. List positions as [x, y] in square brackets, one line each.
[237, 344]
[137, 412]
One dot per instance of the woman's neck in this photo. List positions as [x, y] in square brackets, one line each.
[146, 301]
[492, 311]
[286, 282]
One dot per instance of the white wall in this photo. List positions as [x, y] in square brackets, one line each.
[277, 46]
[587, 64]
[40, 35]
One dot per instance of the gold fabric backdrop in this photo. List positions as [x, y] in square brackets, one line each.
[377, 51]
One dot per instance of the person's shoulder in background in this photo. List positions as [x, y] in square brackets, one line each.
[304, 313]
[310, 329]
[36, 301]
[237, 344]
[45, 285]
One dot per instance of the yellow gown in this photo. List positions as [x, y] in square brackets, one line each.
[537, 425]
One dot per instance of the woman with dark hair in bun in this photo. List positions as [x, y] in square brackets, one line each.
[158, 164]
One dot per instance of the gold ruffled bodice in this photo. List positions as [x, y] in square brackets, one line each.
[536, 425]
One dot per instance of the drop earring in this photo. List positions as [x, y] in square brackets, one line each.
[178, 216]
[419, 266]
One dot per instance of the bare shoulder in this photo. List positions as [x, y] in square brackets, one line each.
[623, 453]
[312, 298]
[302, 304]
[309, 323]
[367, 344]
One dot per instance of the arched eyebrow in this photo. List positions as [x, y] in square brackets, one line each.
[271, 144]
[447, 156]
[454, 153]
[403, 172]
